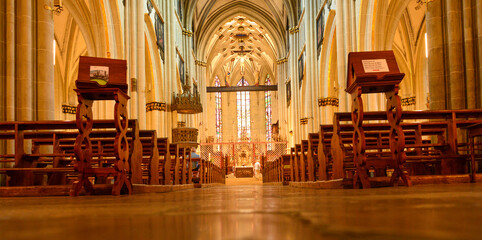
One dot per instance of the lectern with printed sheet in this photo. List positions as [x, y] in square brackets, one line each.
[101, 79]
[376, 72]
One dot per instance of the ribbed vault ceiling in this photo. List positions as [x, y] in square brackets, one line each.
[242, 37]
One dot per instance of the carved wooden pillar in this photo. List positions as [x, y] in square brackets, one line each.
[397, 138]
[376, 72]
[121, 145]
[359, 145]
[83, 144]
[109, 84]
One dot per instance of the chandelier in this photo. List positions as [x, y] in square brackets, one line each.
[187, 103]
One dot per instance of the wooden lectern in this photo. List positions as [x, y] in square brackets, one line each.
[376, 72]
[101, 79]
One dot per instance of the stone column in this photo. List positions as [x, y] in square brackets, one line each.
[309, 110]
[132, 48]
[294, 78]
[330, 110]
[127, 52]
[340, 43]
[10, 60]
[170, 84]
[470, 71]
[455, 42]
[295, 91]
[353, 23]
[436, 69]
[279, 103]
[478, 5]
[141, 66]
[3, 64]
[283, 112]
[24, 60]
[10, 94]
[45, 65]
[201, 87]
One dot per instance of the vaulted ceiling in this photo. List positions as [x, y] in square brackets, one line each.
[239, 38]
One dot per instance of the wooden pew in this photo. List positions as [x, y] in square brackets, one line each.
[297, 162]
[302, 158]
[273, 171]
[444, 150]
[176, 169]
[51, 132]
[286, 168]
[164, 161]
[377, 144]
[278, 170]
[150, 157]
[292, 164]
[312, 154]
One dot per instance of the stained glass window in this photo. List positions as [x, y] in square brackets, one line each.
[268, 112]
[243, 113]
[219, 120]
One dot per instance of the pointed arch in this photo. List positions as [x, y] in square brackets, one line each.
[395, 11]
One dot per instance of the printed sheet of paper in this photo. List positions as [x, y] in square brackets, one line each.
[375, 65]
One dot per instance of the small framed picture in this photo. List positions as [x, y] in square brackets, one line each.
[99, 74]
[301, 68]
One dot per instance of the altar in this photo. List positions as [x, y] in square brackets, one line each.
[244, 172]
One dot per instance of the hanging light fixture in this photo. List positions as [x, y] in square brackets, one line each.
[187, 102]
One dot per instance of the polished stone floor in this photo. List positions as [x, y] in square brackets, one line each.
[252, 212]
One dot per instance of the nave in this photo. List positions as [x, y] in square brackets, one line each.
[449, 211]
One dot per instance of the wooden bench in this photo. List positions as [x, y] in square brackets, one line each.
[377, 146]
[296, 155]
[272, 171]
[60, 136]
[102, 146]
[150, 157]
[293, 173]
[286, 168]
[164, 161]
[444, 151]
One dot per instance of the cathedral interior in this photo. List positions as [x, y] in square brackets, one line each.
[240, 119]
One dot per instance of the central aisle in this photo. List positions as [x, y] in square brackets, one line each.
[252, 212]
[243, 181]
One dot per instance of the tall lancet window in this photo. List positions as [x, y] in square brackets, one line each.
[243, 113]
[219, 119]
[268, 112]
